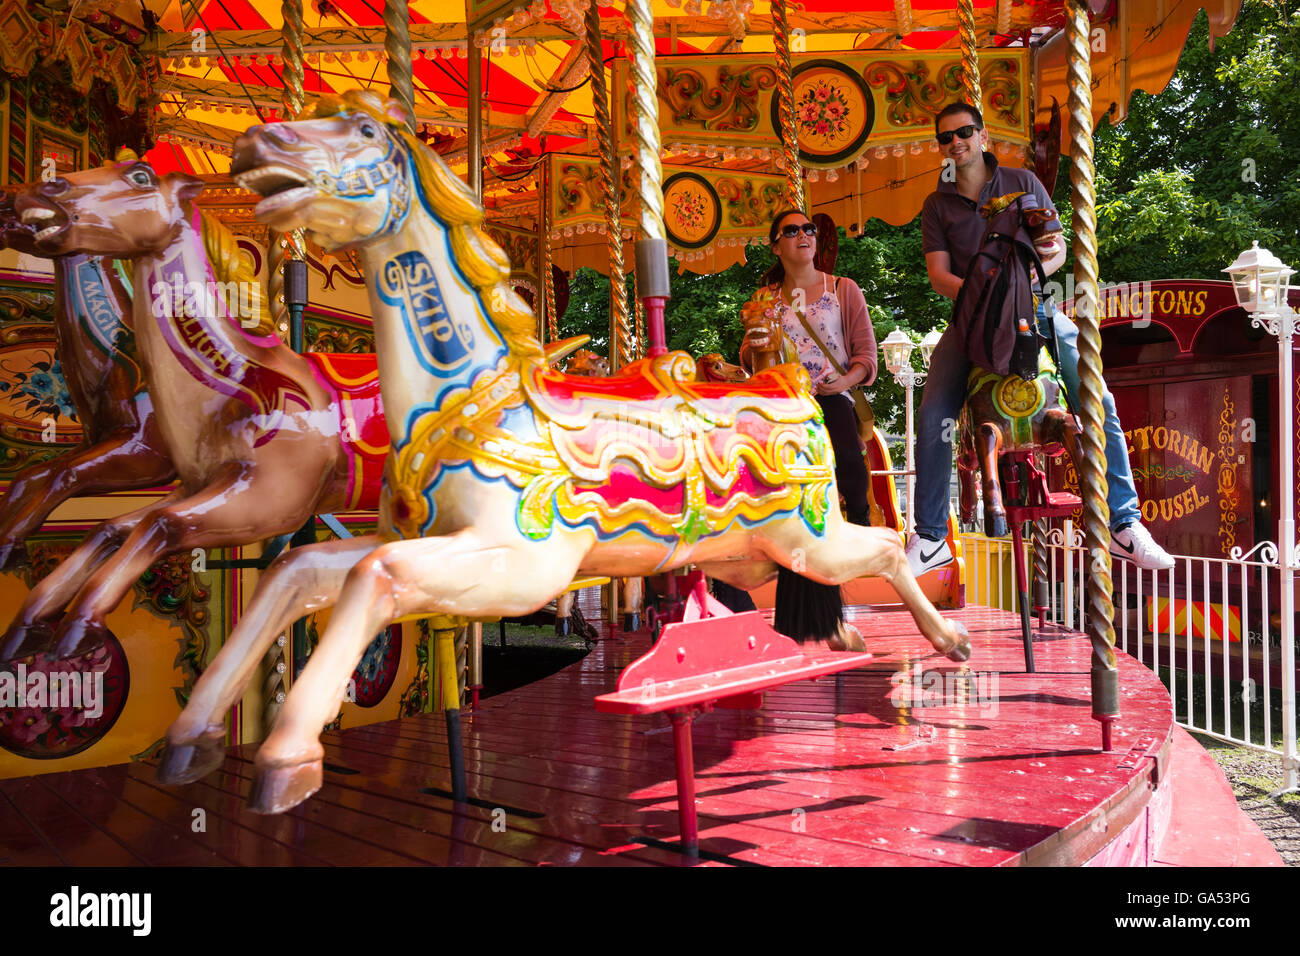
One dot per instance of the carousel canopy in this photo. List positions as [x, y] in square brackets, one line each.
[874, 73]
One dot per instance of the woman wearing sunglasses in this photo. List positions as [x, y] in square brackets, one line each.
[825, 317]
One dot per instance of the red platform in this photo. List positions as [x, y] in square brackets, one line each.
[827, 772]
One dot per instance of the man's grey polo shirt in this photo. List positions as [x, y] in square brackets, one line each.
[952, 223]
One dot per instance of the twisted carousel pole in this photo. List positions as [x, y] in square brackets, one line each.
[970, 61]
[286, 285]
[449, 642]
[397, 47]
[282, 246]
[652, 242]
[622, 347]
[548, 330]
[1100, 611]
[785, 110]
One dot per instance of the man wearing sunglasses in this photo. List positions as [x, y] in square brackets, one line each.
[952, 228]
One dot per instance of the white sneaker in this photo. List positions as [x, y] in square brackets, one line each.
[925, 555]
[1135, 544]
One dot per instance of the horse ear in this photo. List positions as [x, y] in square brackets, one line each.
[187, 187]
[395, 112]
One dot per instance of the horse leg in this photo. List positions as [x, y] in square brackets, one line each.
[398, 579]
[633, 594]
[31, 630]
[563, 610]
[120, 461]
[989, 443]
[1058, 426]
[848, 551]
[234, 507]
[298, 582]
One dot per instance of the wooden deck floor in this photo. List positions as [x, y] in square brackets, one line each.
[827, 772]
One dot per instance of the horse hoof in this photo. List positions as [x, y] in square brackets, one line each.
[191, 761]
[960, 650]
[77, 636]
[995, 525]
[632, 622]
[563, 626]
[26, 640]
[277, 789]
[847, 638]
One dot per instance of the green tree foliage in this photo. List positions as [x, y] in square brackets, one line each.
[1196, 173]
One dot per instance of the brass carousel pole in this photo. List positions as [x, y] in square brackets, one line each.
[549, 330]
[1092, 470]
[785, 92]
[286, 284]
[471, 646]
[474, 118]
[622, 348]
[652, 244]
[397, 46]
[970, 60]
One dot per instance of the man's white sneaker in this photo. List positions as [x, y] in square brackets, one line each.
[1136, 544]
[925, 555]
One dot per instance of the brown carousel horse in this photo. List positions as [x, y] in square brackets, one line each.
[121, 448]
[507, 480]
[237, 405]
[261, 438]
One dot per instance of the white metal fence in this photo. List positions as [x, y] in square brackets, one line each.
[1210, 628]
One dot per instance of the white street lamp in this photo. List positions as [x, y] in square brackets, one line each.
[928, 345]
[898, 348]
[1259, 280]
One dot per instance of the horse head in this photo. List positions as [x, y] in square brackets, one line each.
[124, 209]
[341, 173]
[14, 233]
[714, 368]
[587, 362]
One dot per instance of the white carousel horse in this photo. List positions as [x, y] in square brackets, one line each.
[507, 479]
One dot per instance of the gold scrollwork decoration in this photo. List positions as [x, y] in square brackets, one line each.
[1227, 476]
[729, 105]
[1000, 80]
[747, 204]
[579, 189]
[337, 338]
[913, 98]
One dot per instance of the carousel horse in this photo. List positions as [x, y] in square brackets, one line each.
[1006, 413]
[587, 362]
[220, 380]
[262, 438]
[121, 448]
[507, 479]
[631, 590]
[714, 368]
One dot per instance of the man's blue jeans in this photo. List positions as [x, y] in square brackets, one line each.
[941, 402]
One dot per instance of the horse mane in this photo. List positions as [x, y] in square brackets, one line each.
[483, 262]
[229, 264]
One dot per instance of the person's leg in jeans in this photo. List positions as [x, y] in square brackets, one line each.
[1122, 497]
[936, 434]
[850, 467]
